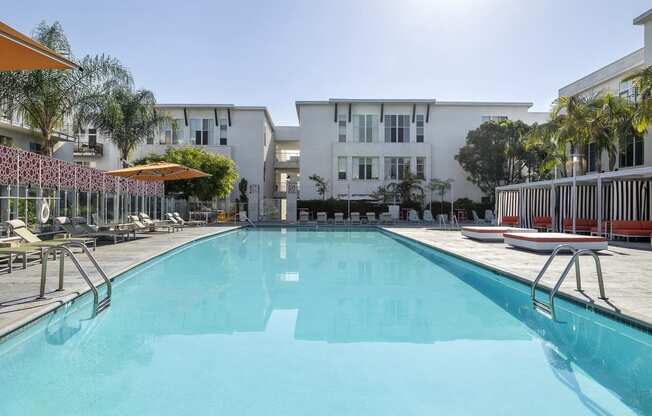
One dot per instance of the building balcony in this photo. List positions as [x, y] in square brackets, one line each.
[88, 149]
[287, 163]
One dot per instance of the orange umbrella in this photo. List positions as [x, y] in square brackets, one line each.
[159, 171]
[19, 52]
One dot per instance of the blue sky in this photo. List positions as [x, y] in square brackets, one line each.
[275, 52]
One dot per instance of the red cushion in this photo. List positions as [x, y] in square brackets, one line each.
[580, 222]
[627, 225]
[631, 231]
[541, 220]
[509, 219]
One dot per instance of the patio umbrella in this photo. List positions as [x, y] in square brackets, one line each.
[159, 171]
[19, 52]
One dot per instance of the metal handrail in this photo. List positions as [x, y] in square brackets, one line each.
[65, 249]
[574, 260]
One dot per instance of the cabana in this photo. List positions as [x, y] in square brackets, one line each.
[597, 198]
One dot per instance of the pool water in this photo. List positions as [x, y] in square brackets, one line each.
[304, 322]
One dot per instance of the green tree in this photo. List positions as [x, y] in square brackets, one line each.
[127, 116]
[320, 183]
[615, 123]
[406, 191]
[48, 99]
[440, 187]
[495, 155]
[642, 81]
[222, 170]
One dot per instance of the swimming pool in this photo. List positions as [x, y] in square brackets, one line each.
[304, 322]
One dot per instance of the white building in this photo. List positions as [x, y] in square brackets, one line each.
[358, 145]
[14, 132]
[611, 78]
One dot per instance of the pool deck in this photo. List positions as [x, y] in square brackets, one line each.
[19, 289]
[627, 271]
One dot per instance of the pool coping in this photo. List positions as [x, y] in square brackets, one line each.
[625, 316]
[20, 325]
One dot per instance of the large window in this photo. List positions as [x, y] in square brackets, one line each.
[341, 168]
[397, 168]
[365, 168]
[365, 128]
[223, 132]
[627, 90]
[341, 128]
[493, 118]
[201, 130]
[166, 137]
[421, 168]
[397, 128]
[591, 155]
[420, 128]
[631, 153]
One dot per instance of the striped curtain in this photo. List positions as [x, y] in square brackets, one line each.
[506, 204]
[586, 203]
[631, 200]
[537, 204]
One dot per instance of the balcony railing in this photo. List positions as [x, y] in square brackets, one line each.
[88, 149]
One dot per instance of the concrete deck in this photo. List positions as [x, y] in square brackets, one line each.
[627, 271]
[19, 289]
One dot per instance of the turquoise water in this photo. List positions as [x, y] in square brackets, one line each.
[286, 322]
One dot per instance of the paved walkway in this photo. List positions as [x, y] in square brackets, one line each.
[19, 289]
[627, 271]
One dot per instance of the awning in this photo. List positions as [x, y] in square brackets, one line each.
[19, 52]
[159, 171]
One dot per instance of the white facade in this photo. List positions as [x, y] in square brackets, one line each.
[14, 132]
[340, 135]
[611, 79]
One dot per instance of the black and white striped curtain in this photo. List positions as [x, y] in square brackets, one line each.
[507, 204]
[537, 204]
[631, 200]
[586, 203]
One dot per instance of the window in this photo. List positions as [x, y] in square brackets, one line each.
[92, 137]
[35, 147]
[201, 130]
[397, 128]
[341, 168]
[627, 90]
[341, 128]
[493, 118]
[421, 168]
[365, 168]
[223, 131]
[82, 163]
[365, 128]
[177, 131]
[631, 153]
[396, 168]
[420, 127]
[591, 156]
[166, 138]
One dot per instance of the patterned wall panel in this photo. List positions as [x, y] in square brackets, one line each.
[8, 165]
[67, 175]
[30, 168]
[96, 180]
[49, 173]
[83, 177]
[110, 183]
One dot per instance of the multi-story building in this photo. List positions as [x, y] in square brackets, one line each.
[359, 145]
[612, 78]
[14, 132]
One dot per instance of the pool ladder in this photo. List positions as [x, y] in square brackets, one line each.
[99, 305]
[549, 308]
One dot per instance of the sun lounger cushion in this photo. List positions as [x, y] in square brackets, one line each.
[549, 241]
[491, 233]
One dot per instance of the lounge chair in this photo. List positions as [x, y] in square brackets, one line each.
[427, 216]
[140, 227]
[549, 241]
[355, 218]
[385, 218]
[24, 251]
[80, 230]
[338, 218]
[442, 220]
[322, 218]
[371, 218]
[191, 223]
[492, 233]
[413, 216]
[477, 220]
[19, 228]
[304, 217]
[542, 223]
[155, 225]
[510, 221]
[173, 220]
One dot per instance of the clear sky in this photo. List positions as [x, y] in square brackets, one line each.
[274, 52]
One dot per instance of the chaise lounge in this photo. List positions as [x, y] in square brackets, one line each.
[546, 242]
[509, 220]
[629, 229]
[491, 233]
[582, 225]
[542, 223]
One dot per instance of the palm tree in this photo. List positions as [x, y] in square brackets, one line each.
[573, 119]
[642, 81]
[543, 140]
[440, 187]
[47, 99]
[408, 189]
[615, 122]
[128, 117]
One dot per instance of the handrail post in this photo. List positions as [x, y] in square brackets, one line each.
[44, 268]
[578, 279]
[62, 256]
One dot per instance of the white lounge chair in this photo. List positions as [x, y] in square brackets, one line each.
[155, 225]
[545, 242]
[188, 222]
[489, 217]
[386, 218]
[355, 218]
[427, 216]
[413, 215]
[338, 218]
[476, 219]
[492, 233]
[371, 218]
[442, 220]
[173, 220]
[322, 218]
[304, 217]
